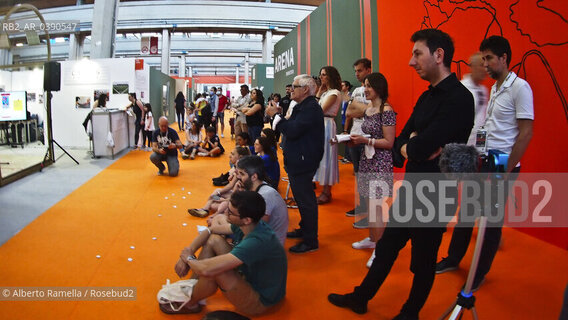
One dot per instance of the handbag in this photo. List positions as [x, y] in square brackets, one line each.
[179, 292]
[397, 158]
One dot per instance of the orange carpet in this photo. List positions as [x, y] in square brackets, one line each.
[127, 205]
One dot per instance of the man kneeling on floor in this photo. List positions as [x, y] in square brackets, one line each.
[251, 272]
[165, 142]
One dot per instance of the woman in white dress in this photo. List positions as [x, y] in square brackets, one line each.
[330, 100]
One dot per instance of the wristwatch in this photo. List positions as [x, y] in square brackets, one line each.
[192, 257]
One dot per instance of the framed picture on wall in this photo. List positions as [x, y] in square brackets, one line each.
[120, 88]
[83, 102]
[31, 97]
[98, 92]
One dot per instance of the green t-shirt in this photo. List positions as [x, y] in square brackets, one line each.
[264, 262]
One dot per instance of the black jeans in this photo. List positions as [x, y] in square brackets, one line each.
[425, 243]
[147, 136]
[462, 236]
[137, 129]
[305, 197]
[180, 118]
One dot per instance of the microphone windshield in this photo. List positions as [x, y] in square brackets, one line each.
[457, 159]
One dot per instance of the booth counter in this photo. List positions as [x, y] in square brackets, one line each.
[113, 131]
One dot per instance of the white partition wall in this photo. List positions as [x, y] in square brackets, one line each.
[5, 80]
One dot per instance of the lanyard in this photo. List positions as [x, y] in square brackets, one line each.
[494, 97]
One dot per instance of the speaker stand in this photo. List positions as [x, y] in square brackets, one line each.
[67, 153]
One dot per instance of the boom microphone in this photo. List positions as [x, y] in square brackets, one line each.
[457, 160]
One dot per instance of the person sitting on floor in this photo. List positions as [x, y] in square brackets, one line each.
[211, 145]
[221, 195]
[251, 274]
[165, 142]
[193, 140]
[190, 119]
[251, 176]
[272, 137]
[243, 139]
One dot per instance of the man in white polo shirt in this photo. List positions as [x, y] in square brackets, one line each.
[509, 128]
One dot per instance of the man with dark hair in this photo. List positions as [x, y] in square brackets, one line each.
[223, 103]
[214, 103]
[251, 175]
[362, 68]
[240, 103]
[436, 40]
[251, 274]
[304, 132]
[285, 104]
[286, 99]
[443, 114]
[509, 127]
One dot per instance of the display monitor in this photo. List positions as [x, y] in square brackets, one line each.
[14, 106]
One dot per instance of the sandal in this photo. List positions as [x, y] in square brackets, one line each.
[291, 203]
[324, 198]
[200, 213]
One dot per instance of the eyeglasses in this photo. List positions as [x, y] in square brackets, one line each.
[296, 87]
[231, 213]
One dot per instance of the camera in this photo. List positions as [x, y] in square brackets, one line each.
[494, 161]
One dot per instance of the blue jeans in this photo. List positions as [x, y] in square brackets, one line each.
[171, 160]
[254, 133]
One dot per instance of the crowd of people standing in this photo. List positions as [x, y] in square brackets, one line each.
[306, 123]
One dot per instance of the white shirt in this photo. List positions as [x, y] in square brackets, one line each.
[359, 96]
[241, 101]
[513, 100]
[480, 94]
[293, 103]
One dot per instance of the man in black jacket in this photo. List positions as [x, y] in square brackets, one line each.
[302, 153]
[443, 114]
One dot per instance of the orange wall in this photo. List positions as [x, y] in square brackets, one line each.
[468, 24]
[537, 35]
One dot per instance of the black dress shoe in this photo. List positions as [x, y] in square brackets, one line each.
[347, 301]
[220, 183]
[303, 247]
[296, 234]
[222, 177]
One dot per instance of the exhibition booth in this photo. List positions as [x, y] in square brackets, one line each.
[22, 121]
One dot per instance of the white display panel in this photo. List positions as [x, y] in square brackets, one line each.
[13, 106]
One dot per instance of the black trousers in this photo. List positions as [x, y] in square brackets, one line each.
[305, 197]
[147, 136]
[462, 236]
[425, 243]
[180, 118]
[137, 129]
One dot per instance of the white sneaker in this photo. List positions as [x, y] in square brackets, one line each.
[370, 262]
[202, 154]
[222, 135]
[364, 244]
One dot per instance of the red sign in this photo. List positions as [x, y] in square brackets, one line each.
[139, 64]
[153, 45]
